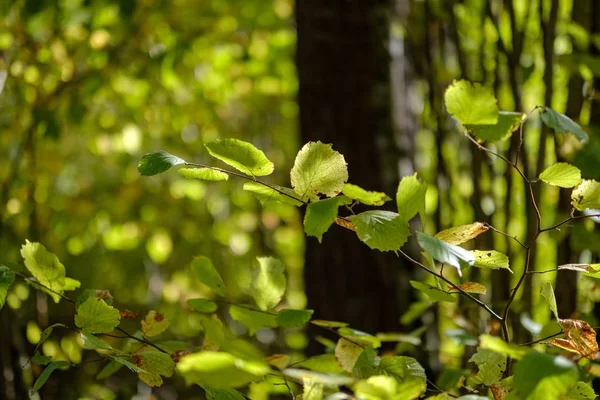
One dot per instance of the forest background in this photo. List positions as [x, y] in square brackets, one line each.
[88, 87]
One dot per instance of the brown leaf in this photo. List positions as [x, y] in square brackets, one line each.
[103, 294]
[343, 222]
[178, 354]
[279, 361]
[580, 338]
[470, 287]
[498, 391]
[128, 314]
[463, 233]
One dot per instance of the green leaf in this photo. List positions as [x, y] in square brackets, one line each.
[328, 324]
[586, 195]
[410, 197]
[268, 282]
[155, 163]
[544, 376]
[208, 274]
[507, 123]
[433, 293]
[45, 267]
[490, 259]
[222, 394]
[460, 234]
[320, 215]
[204, 174]
[329, 380]
[369, 198]
[407, 372]
[128, 364]
[491, 366]
[265, 194]
[312, 390]
[95, 316]
[381, 230]
[40, 359]
[293, 318]
[318, 169]
[154, 324]
[562, 124]
[564, 175]
[220, 370]
[241, 155]
[500, 346]
[155, 365]
[46, 374]
[46, 334]
[326, 363]
[471, 103]
[7, 277]
[379, 387]
[445, 253]
[253, 319]
[91, 342]
[203, 305]
[366, 363]
[548, 294]
[581, 391]
[347, 353]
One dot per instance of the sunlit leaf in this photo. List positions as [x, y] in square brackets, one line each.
[329, 380]
[410, 197]
[91, 342]
[320, 215]
[581, 391]
[312, 389]
[445, 253]
[220, 370]
[155, 163]
[433, 293]
[45, 267]
[407, 371]
[363, 196]
[241, 155]
[490, 259]
[380, 387]
[293, 318]
[507, 123]
[544, 376]
[581, 336]
[547, 292]
[470, 287]
[491, 366]
[347, 352]
[381, 230]
[328, 324]
[208, 274]
[279, 361]
[204, 174]
[7, 277]
[463, 233]
[562, 124]
[471, 103]
[500, 346]
[586, 195]
[202, 305]
[222, 394]
[155, 365]
[95, 316]
[253, 319]
[268, 282]
[43, 378]
[276, 194]
[154, 324]
[326, 363]
[318, 169]
[562, 174]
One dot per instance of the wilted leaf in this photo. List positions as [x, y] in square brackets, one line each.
[155, 365]
[241, 155]
[154, 324]
[470, 287]
[268, 282]
[155, 163]
[318, 169]
[548, 294]
[490, 259]
[471, 103]
[586, 195]
[445, 253]
[562, 124]
[381, 230]
[204, 174]
[363, 196]
[208, 274]
[95, 316]
[463, 233]
[581, 336]
[564, 175]
[410, 197]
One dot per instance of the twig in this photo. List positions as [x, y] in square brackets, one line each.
[542, 339]
[571, 218]
[506, 234]
[439, 390]
[141, 340]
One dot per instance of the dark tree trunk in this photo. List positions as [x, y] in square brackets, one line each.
[344, 99]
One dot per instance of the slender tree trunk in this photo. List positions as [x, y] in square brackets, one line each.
[344, 99]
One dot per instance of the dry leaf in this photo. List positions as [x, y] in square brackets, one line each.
[463, 233]
[470, 287]
[580, 338]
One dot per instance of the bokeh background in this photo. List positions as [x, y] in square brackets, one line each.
[89, 86]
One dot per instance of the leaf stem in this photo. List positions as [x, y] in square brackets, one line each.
[506, 234]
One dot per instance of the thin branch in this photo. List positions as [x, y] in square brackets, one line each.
[571, 218]
[244, 306]
[34, 281]
[438, 390]
[146, 342]
[506, 234]
[500, 156]
[522, 124]
[542, 339]
[249, 178]
[449, 282]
